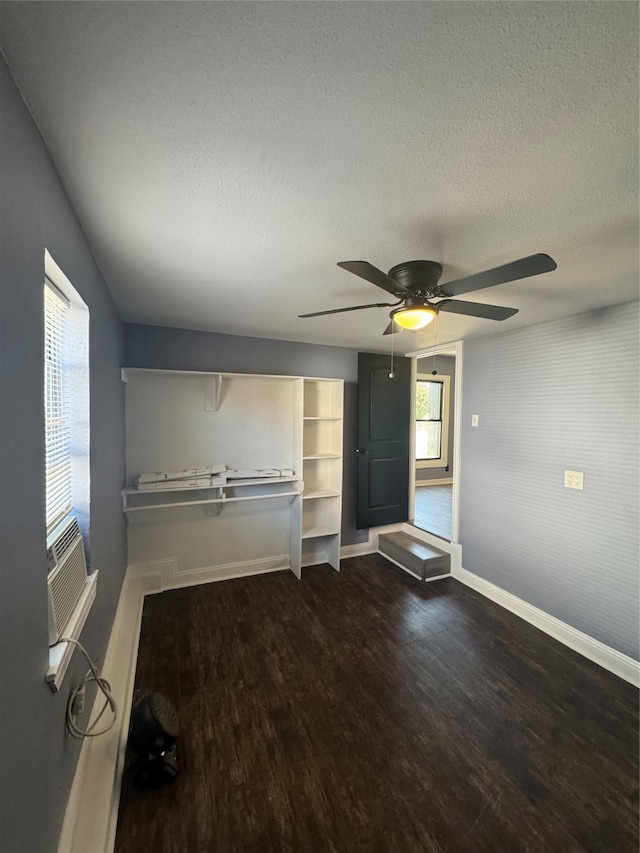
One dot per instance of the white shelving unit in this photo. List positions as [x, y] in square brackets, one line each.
[134, 500]
[322, 471]
[184, 419]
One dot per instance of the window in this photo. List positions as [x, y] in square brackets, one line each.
[56, 409]
[432, 421]
[66, 399]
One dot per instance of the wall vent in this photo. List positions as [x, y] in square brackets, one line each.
[67, 575]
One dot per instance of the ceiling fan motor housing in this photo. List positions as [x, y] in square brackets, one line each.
[414, 302]
[419, 276]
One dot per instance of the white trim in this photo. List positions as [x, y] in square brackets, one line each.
[445, 481]
[61, 283]
[92, 809]
[610, 659]
[166, 574]
[443, 460]
[56, 291]
[359, 549]
[437, 578]
[455, 350]
[457, 441]
[412, 436]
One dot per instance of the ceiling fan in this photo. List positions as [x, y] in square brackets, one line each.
[415, 283]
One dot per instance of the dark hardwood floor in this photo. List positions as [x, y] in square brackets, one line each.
[433, 508]
[365, 711]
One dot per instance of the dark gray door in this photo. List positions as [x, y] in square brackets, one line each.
[384, 409]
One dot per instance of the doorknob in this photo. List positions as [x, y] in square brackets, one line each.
[361, 450]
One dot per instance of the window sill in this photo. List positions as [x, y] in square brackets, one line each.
[60, 655]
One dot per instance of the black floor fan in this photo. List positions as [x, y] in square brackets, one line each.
[153, 739]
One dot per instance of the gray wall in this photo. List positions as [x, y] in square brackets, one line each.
[561, 395]
[180, 349]
[38, 760]
[446, 366]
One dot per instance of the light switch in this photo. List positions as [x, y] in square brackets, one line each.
[574, 480]
[474, 420]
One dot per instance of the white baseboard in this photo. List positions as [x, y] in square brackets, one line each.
[445, 481]
[359, 549]
[370, 545]
[610, 659]
[92, 809]
[166, 574]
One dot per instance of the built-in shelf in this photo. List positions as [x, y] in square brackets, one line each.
[322, 471]
[212, 381]
[259, 481]
[214, 501]
[236, 484]
[322, 456]
[320, 493]
[132, 490]
[185, 419]
[318, 531]
[221, 497]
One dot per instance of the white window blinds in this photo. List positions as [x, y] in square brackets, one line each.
[57, 425]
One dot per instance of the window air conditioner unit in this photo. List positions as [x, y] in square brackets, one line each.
[67, 575]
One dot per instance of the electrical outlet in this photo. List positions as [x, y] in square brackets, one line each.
[474, 420]
[77, 706]
[574, 480]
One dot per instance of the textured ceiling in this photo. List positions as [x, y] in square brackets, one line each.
[222, 157]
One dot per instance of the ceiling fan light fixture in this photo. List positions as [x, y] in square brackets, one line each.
[414, 317]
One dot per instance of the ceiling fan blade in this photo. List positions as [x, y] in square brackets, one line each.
[522, 268]
[391, 329]
[374, 275]
[353, 308]
[477, 309]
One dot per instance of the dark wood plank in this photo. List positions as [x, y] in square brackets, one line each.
[363, 710]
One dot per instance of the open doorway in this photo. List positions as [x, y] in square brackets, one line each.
[435, 458]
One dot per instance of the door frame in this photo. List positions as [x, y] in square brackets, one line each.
[456, 349]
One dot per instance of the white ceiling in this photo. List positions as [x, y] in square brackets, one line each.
[222, 157]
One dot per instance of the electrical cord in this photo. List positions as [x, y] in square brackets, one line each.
[92, 676]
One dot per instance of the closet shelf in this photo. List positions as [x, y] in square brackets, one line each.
[258, 481]
[320, 493]
[212, 380]
[322, 456]
[230, 484]
[132, 490]
[220, 501]
[319, 530]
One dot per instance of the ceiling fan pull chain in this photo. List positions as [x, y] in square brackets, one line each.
[435, 344]
[391, 373]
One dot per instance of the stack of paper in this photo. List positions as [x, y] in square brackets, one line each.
[190, 478]
[251, 473]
